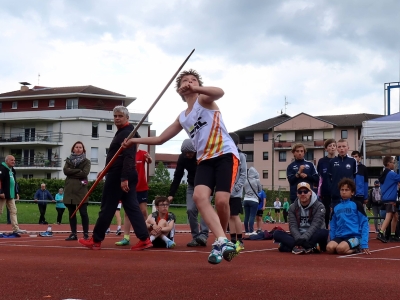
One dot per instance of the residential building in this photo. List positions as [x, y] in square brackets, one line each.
[268, 143]
[170, 161]
[40, 125]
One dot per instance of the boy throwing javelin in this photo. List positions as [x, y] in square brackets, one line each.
[217, 156]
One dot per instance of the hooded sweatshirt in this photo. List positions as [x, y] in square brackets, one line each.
[349, 220]
[305, 221]
[241, 177]
[252, 185]
[389, 180]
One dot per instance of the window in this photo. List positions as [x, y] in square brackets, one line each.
[265, 155]
[92, 176]
[72, 103]
[51, 103]
[48, 175]
[94, 155]
[30, 134]
[95, 130]
[35, 104]
[109, 127]
[248, 139]
[249, 156]
[1, 107]
[328, 135]
[282, 174]
[265, 174]
[304, 136]
[309, 155]
[344, 134]
[27, 176]
[282, 155]
[107, 149]
[14, 105]
[265, 137]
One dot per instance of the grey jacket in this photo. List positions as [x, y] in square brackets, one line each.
[253, 179]
[304, 222]
[241, 177]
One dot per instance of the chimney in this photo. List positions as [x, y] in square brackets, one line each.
[24, 86]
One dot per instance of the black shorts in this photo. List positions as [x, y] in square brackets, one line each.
[159, 243]
[277, 210]
[260, 213]
[142, 196]
[390, 207]
[352, 242]
[219, 172]
[235, 205]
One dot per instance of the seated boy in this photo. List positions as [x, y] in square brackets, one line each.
[348, 219]
[268, 218]
[161, 224]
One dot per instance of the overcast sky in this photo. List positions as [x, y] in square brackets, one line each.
[326, 57]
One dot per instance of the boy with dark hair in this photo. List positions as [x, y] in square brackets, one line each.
[300, 170]
[161, 224]
[324, 191]
[341, 166]
[349, 226]
[217, 156]
[361, 179]
[389, 180]
[235, 201]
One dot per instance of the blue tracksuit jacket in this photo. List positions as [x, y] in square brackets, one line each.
[361, 181]
[322, 169]
[389, 180]
[349, 220]
[340, 167]
[309, 169]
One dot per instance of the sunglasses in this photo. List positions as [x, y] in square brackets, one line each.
[302, 192]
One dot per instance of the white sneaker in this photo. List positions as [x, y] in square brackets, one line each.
[19, 231]
[247, 233]
[253, 233]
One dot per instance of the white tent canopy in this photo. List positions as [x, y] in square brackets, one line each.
[381, 136]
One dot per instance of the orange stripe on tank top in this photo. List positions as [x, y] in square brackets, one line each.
[235, 170]
[210, 137]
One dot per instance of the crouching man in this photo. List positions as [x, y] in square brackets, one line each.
[161, 224]
[306, 224]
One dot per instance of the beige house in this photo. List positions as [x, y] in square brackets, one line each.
[268, 144]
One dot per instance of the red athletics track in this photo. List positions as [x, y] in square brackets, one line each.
[51, 268]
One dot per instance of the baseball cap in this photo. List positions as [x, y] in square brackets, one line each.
[376, 182]
[303, 185]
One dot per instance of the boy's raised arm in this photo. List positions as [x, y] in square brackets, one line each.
[209, 94]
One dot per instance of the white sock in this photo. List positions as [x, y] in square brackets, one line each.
[152, 238]
[165, 239]
[119, 227]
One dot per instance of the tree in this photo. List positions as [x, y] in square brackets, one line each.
[161, 174]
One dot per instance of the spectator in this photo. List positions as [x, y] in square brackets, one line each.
[341, 166]
[260, 210]
[389, 181]
[42, 196]
[285, 209]
[349, 228]
[277, 207]
[324, 191]
[9, 191]
[252, 187]
[117, 216]
[375, 202]
[161, 225]
[187, 161]
[60, 207]
[235, 200]
[361, 179]
[77, 169]
[306, 224]
[300, 170]
[268, 218]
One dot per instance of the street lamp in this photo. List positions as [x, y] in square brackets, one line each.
[278, 136]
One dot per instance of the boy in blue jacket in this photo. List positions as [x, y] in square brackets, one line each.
[348, 219]
[389, 181]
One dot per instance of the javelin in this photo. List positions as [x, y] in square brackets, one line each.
[107, 167]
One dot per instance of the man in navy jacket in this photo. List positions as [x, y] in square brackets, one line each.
[42, 196]
[300, 170]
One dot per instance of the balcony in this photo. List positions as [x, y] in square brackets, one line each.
[314, 144]
[37, 163]
[34, 138]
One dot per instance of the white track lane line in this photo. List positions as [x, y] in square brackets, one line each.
[372, 251]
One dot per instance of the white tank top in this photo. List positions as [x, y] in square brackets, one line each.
[207, 131]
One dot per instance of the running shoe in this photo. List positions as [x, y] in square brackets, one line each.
[118, 232]
[46, 234]
[123, 242]
[20, 231]
[394, 238]
[141, 245]
[171, 244]
[193, 243]
[381, 237]
[298, 250]
[215, 256]
[72, 237]
[228, 250]
[239, 246]
[90, 243]
[108, 231]
[201, 240]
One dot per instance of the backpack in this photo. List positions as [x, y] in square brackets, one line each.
[376, 196]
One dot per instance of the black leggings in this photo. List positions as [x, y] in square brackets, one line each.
[84, 217]
[60, 212]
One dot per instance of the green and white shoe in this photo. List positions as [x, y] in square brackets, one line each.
[123, 242]
[215, 256]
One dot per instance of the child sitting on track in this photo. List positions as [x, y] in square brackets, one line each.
[349, 228]
[268, 218]
[161, 225]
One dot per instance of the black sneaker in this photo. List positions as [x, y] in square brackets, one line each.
[192, 243]
[72, 237]
[298, 250]
[394, 238]
[118, 232]
[201, 240]
[86, 236]
[381, 237]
